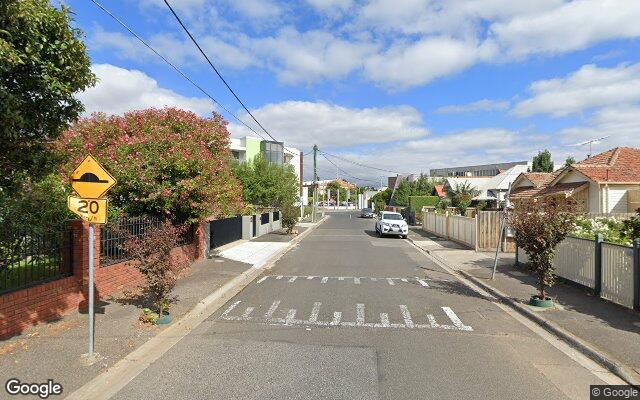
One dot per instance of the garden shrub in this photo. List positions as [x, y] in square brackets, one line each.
[168, 162]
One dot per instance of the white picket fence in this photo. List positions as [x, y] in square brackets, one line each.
[617, 274]
[575, 260]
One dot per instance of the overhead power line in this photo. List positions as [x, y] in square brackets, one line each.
[360, 164]
[344, 172]
[216, 69]
[125, 26]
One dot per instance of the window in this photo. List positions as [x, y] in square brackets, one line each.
[273, 151]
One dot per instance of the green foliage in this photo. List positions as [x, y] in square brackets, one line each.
[381, 199]
[462, 195]
[266, 184]
[168, 163]
[482, 205]
[631, 226]
[44, 63]
[417, 202]
[335, 188]
[539, 227]
[289, 214]
[402, 193]
[542, 162]
[423, 186]
[612, 230]
[443, 204]
[569, 161]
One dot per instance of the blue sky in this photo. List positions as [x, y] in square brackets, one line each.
[406, 85]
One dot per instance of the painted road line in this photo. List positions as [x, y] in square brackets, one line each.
[360, 314]
[360, 322]
[404, 280]
[356, 281]
[390, 281]
[324, 279]
[262, 279]
[310, 277]
[314, 312]
[406, 315]
[272, 309]
[279, 277]
[247, 313]
[374, 279]
[293, 279]
[231, 307]
[454, 318]
[422, 282]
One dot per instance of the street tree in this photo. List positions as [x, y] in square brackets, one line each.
[542, 162]
[44, 63]
[539, 227]
[266, 184]
[569, 161]
[462, 195]
[402, 193]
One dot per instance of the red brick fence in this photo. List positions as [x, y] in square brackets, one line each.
[67, 292]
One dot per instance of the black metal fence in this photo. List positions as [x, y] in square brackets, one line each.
[114, 234]
[29, 258]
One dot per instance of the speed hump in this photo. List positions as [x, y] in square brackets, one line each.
[91, 182]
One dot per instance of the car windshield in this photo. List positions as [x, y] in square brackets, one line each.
[392, 216]
[366, 210]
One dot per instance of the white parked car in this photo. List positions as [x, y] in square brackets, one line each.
[391, 223]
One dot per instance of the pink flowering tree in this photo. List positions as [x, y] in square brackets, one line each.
[168, 162]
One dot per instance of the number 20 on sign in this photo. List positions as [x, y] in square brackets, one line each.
[91, 210]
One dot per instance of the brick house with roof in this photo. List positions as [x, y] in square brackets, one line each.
[608, 182]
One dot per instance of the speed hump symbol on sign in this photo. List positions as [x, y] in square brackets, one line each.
[90, 210]
[90, 179]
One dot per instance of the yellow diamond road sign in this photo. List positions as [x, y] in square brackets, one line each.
[90, 179]
[90, 210]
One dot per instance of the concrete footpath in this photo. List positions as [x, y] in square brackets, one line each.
[609, 332]
[53, 350]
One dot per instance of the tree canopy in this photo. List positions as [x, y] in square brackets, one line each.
[44, 63]
[542, 162]
[267, 184]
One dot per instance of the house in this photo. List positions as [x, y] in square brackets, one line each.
[477, 170]
[608, 182]
[438, 190]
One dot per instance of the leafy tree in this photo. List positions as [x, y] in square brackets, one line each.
[381, 199]
[569, 161]
[267, 184]
[542, 162]
[462, 195]
[402, 193]
[168, 163]
[539, 227]
[422, 186]
[336, 188]
[44, 63]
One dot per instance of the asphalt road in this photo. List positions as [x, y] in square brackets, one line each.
[348, 315]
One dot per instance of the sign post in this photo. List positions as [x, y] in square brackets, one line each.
[91, 182]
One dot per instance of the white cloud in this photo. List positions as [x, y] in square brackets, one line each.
[573, 25]
[480, 105]
[404, 66]
[310, 56]
[331, 7]
[120, 90]
[303, 123]
[621, 123]
[256, 8]
[588, 87]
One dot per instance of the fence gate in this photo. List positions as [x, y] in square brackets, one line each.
[223, 231]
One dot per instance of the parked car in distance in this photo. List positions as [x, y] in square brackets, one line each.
[366, 213]
[391, 223]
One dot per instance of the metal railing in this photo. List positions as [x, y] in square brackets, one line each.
[29, 258]
[114, 235]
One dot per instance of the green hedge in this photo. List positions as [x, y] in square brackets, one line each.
[417, 202]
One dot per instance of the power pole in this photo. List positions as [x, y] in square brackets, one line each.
[315, 183]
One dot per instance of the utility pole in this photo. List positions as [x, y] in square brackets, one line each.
[315, 183]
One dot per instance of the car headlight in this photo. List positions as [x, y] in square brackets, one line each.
[386, 225]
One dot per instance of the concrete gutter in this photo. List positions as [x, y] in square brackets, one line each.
[617, 368]
[110, 382]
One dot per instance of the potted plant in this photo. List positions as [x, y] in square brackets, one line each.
[151, 253]
[539, 226]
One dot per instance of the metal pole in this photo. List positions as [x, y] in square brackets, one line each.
[91, 273]
[315, 183]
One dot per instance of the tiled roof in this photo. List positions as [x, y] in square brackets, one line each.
[524, 192]
[540, 178]
[621, 164]
[561, 188]
[440, 190]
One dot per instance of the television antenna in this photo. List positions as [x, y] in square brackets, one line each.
[590, 142]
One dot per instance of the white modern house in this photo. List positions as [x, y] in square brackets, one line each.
[492, 189]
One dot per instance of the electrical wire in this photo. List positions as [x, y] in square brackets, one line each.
[125, 26]
[360, 164]
[344, 172]
[216, 69]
